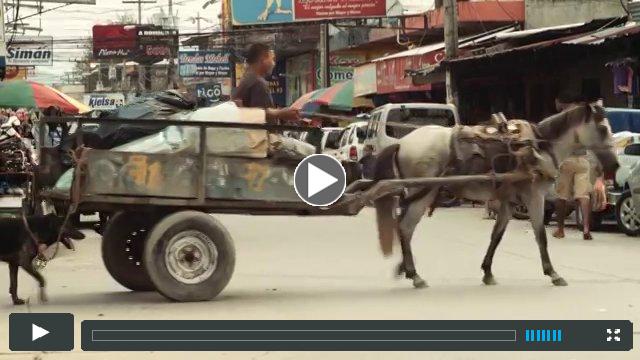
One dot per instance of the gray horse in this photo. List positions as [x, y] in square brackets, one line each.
[430, 152]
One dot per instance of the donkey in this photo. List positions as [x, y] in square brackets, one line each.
[430, 152]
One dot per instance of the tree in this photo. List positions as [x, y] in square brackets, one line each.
[124, 19]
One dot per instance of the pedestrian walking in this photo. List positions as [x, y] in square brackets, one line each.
[574, 180]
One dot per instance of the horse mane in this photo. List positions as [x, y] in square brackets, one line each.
[555, 126]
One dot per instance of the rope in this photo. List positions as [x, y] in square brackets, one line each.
[34, 238]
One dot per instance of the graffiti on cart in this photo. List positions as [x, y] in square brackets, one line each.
[145, 174]
[256, 175]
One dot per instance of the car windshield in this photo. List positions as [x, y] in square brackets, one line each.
[402, 121]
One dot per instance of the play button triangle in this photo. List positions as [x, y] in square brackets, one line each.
[318, 180]
[37, 332]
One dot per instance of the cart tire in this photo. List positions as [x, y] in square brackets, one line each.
[189, 256]
[122, 249]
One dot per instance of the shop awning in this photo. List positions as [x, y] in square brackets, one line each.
[592, 33]
[393, 72]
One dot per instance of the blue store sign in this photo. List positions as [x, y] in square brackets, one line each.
[210, 63]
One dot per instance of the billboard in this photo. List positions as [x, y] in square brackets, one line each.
[155, 43]
[30, 51]
[104, 101]
[114, 41]
[210, 63]
[260, 12]
[145, 44]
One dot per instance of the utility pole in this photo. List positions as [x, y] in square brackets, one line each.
[451, 47]
[171, 14]
[140, 2]
[325, 66]
[227, 27]
[3, 45]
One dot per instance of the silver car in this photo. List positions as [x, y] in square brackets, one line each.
[628, 206]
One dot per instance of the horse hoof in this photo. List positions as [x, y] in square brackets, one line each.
[489, 280]
[18, 302]
[559, 282]
[419, 283]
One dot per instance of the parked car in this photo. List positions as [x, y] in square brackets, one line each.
[628, 201]
[392, 122]
[351, 144]
[330, 139]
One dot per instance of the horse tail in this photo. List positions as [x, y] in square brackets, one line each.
[386, 206]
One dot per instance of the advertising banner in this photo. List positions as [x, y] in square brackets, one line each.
[252, 12]
[30, 51]
[104, 101]
[336, 74]
[335, 9]
[211, 92]
[211, 63]
[114, 41]
[391, 74]
[156, 43]
[278, 84]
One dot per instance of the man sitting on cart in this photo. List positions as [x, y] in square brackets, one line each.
[253, 92]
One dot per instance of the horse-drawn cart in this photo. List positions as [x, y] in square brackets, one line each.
[160, 190]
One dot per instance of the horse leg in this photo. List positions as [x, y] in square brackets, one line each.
[536, 213]
[504, 215]
[409, 219]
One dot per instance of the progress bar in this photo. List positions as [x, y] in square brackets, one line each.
[372, 335]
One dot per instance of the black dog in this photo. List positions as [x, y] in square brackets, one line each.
[18, 248]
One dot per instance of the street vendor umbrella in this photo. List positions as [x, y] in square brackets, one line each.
[337, 97]
[29, 94]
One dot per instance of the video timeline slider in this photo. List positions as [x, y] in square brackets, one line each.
[372, 335]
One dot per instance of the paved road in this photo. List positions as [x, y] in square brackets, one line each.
[330, 268]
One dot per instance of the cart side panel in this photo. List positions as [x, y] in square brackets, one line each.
[250, 179]
[141, 174]
[176, 176]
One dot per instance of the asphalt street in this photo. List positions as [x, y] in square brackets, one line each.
[331, 268]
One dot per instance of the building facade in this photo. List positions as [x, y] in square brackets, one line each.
[544, 13]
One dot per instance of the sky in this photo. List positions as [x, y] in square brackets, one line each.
[75, 21]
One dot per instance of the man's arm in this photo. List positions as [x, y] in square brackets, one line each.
[287, 114]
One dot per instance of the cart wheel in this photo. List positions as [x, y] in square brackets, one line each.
[189, 256]
[122, 248]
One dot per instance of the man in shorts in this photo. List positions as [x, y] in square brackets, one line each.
[574, 180]
[574, 183]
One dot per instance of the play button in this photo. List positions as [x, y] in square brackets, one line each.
[40, 332]
[37, 332]
[320, 180]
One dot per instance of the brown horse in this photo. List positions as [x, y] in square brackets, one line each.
[430, 152]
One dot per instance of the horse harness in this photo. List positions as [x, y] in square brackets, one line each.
[501, 147]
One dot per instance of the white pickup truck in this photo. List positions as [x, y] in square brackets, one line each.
[392, 122]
